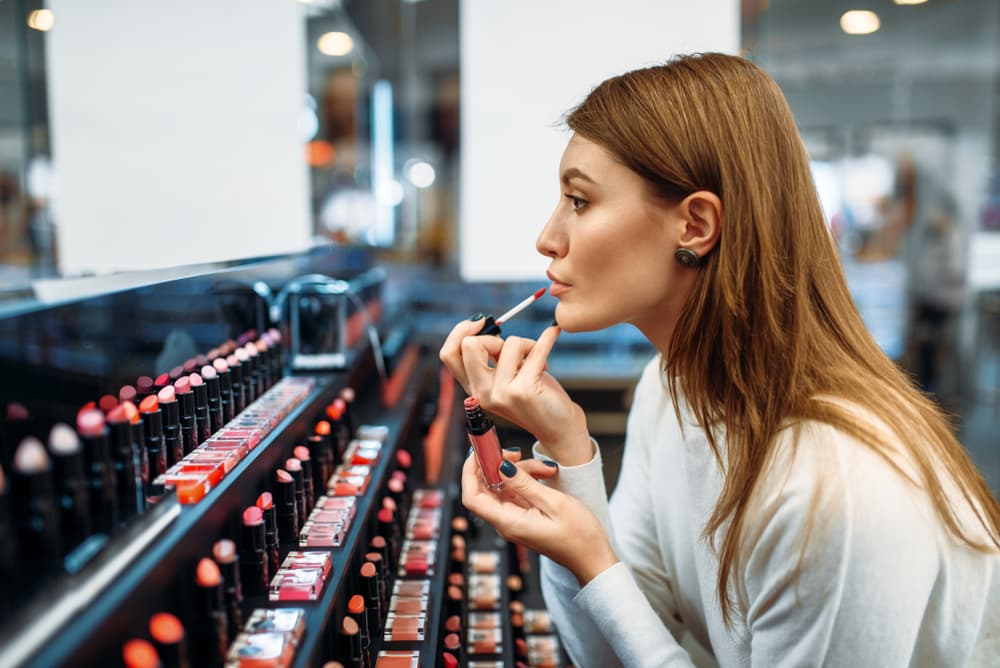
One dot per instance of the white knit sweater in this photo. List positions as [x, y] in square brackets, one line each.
[881, 583]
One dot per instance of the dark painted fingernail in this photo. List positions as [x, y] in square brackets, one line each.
[554, 324]
[476, 316]
[469, 453]
[513, 449]
[549, 462]
[508, 469]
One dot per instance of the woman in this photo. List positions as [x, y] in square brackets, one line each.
[786, 496]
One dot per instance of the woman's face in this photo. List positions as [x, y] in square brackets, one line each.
[611, 245]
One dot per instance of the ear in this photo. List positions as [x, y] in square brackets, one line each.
[701, 215]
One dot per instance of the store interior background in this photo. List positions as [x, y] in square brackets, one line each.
[138, 139]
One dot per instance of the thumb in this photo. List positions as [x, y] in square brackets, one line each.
[544, 498]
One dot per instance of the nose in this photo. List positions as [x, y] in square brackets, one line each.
[552, 241]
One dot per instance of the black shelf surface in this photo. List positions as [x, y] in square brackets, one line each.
[149, 582]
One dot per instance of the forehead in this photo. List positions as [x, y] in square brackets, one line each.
[580, 152]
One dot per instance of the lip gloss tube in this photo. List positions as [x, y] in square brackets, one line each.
[152, 429]
[225, 388]
[209, 632]
[301, 453]
[224, 553]
[287, 508]
[71, 486]
[201, 418]
[266, 504]
[185, 399]
[236, 378]
[34, 511]
[253, 553]
[485, 443]
[111, 475]
[172, 444]
[211, 378]
[294, 467]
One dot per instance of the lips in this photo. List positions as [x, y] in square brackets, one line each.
[558, 286]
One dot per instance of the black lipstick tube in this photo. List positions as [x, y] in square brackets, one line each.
[253, 555]
[201, 419]
[299, 479]
[110, 476]
[226, 394]
[72, 498]
[36, 522]
[239, 395]
[287, 509]
[321, 471]
[271, 535]
[251, 378]
[214, 403]
[172, 439]
[189, 432]
[152, 429]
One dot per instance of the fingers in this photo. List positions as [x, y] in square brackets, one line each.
[513, 454]
[539, 469]
[538, 357]
[519, 481]
[476, 352]
[511, 358]
[451, 349]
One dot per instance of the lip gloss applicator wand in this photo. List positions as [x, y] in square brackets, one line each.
[492, 326]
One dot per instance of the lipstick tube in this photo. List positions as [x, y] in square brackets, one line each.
[34, 511]
[356, 606]
[339, 431]
[485, 443]
[253, 553]
[251, 374]
[172, 443]
[16, 427]
[369, 584]
[152, 430]
[225, 554]
[286, 507]
[294, 467]
[209, 630]
[349, 395]
[387, 529]
[225, 389]
[161, 382]
[185, 399]
[71, 486]
[382, 577]
[143, 388]
[301, 453]
[8, 552]
[266, 504]
[264, 377]
[111, 476]
[201, 419]
[236, 379]
[318, 451]
[211, 378]
[277, 352]
[168, 637]
[140, 459]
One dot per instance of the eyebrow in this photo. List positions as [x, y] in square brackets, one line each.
[574, 173]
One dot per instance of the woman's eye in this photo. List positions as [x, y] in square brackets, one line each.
[577, 202]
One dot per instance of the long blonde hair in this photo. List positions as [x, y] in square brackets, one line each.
[770, 327]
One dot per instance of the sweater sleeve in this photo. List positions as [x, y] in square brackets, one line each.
[628, 610]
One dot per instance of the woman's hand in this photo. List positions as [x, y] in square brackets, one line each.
[539, 517]
[518, 387]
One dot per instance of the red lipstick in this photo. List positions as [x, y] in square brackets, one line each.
[492, 327]
[485, 443]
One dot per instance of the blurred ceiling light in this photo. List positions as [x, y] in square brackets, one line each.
[41, 19]
[909, 2]
[335, 44]
[859, 22]
[421, 174]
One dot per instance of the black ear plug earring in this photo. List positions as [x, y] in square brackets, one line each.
[687, 257]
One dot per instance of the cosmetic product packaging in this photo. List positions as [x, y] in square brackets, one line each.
[485, 443]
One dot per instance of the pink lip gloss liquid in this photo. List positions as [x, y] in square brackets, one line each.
[483, 436]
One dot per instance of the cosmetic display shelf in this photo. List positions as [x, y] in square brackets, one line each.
[400, 421]
[147, 584]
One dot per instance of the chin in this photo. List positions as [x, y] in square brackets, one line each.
[571, 320]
